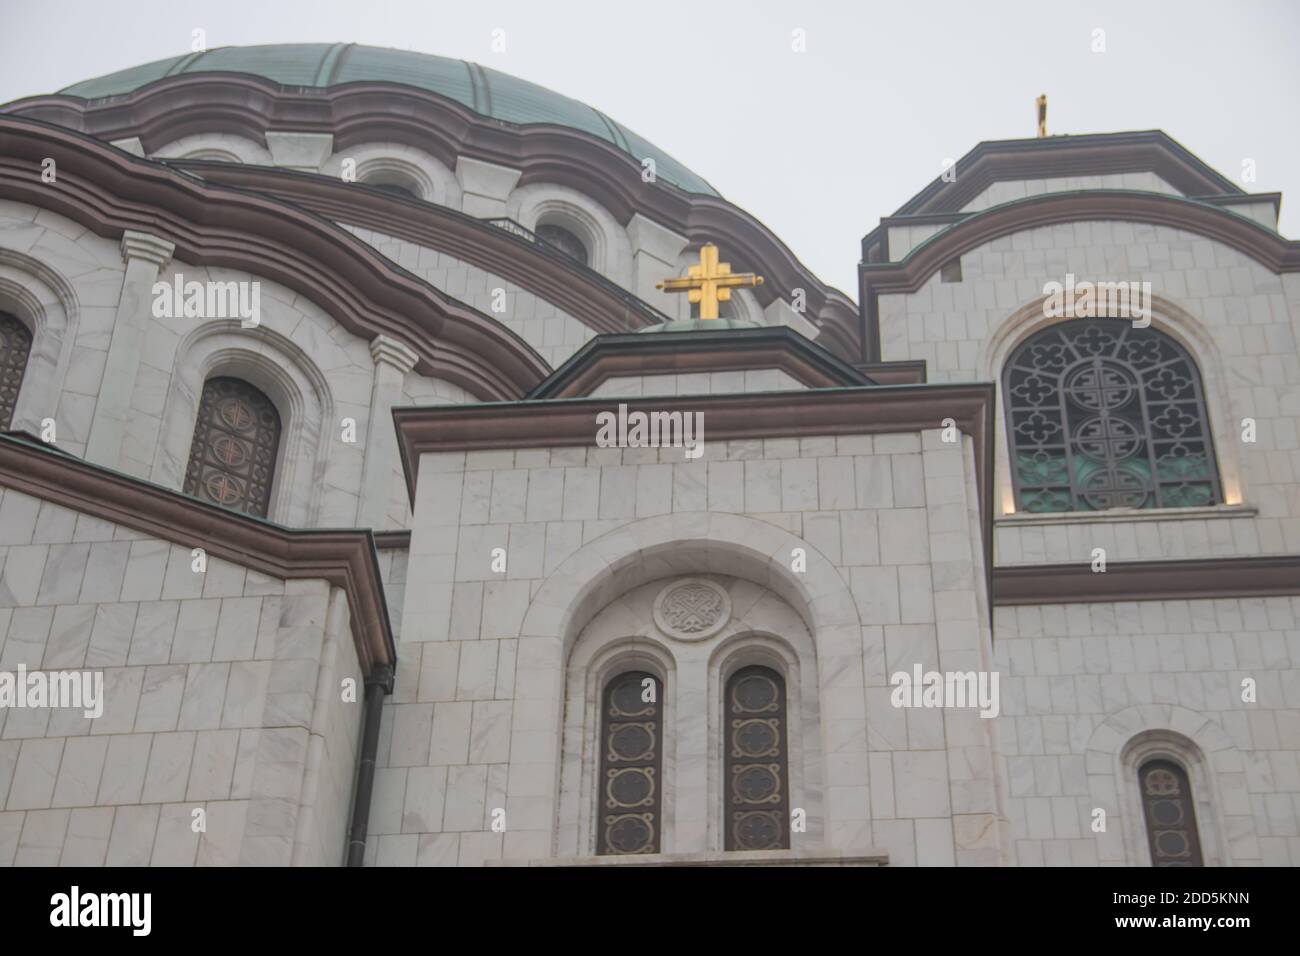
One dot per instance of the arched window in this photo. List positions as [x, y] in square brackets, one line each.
[564, 241]
[15, 344]
[396, 189]
[630, 786]
[756, 801]
[236, 438]
[1102, 414]
[1170, 815]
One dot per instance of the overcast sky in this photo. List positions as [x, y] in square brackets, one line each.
[818, 144]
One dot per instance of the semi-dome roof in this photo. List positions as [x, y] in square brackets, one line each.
[483, 90]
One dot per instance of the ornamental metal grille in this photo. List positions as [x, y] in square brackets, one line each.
[756, 806]
[15, 344]
[236, 437]
[1102, 414]
[1171, 819]
[631, 765]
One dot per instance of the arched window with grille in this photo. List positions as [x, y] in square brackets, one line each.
[756, 802]
[564, 241]
[630, 786]
[236, 439]
[1104, 414]
[15, 345]
[1170, 815]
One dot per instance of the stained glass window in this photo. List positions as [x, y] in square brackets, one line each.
[1103, 414]
[1170, 816]
[15, 344]
[756, 801]
[236, 437]
[631, 765]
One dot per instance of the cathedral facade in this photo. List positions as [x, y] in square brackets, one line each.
[408, 465]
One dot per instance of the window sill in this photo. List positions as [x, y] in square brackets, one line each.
[870, 857]
[1113, 515]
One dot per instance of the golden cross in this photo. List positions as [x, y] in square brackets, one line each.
[709, 282]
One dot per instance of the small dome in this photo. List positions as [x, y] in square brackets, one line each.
[321, 65]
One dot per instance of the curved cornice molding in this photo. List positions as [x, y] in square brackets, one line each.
[109, 191]
[1275, 253]
[344, 558]
[1068, 156]
[563, 282]
[364, 112]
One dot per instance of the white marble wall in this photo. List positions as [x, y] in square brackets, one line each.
[890, 525]
[1235, 316]
[553, 333]
[222, 693]
[1080, 681]
[66, 282]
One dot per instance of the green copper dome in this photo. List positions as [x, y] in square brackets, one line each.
[485, 91]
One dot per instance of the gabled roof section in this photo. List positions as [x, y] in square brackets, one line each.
[695, 351]
[1067, 156]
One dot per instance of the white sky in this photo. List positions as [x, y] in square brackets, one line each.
[819, 145]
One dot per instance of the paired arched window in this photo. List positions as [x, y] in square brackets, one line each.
[1169, 813]
[756, 800]
[236, 440]
[563, 241]
[15, 345]
[1103, 414]
[631, 765]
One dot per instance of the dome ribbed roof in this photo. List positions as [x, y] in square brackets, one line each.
[483, 90]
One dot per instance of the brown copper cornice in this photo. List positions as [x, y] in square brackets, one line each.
[698, 351]
[108, 191]
[1199, 579]
[346, 559]
[831, 411]
[365, 112]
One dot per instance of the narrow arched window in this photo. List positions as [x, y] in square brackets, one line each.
[631, 765]
[15, 345]
[236, 439]
[1170, 815]
[756, 800]
[1102, 414]
[563, 241]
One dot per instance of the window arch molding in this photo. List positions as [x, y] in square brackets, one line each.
[592, 666]
[399, 164]
[1215, 769]
[609, 251]
[44, 301]
[802, 723]
[225, 147]
[285, 375]
[1167, 317]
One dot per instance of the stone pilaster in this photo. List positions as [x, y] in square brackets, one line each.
[305, 152]
[145, 256]
[393, 359]
[655, 251]
[485, 187]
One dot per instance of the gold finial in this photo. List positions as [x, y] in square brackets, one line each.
[709, 282]
[1042, 115]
